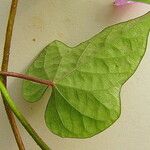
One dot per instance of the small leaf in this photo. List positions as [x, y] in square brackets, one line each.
[88, 78]
[143, 1]
[124, 2]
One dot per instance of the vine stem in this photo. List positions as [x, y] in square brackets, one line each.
[21, 118]
[27, 77]
[10, 106]
[4, 67]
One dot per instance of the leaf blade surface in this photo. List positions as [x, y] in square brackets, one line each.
[88, 78]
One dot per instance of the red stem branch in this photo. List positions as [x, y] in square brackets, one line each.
[26, 77]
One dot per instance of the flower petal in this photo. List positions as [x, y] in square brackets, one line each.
[122, 2]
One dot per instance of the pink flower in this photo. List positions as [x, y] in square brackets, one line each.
[121, 2]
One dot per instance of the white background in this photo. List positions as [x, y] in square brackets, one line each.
[73, 21]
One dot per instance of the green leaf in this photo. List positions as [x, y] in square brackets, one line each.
[88, 78]
[144, 1]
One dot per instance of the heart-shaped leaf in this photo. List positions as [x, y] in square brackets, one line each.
[88, 78]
